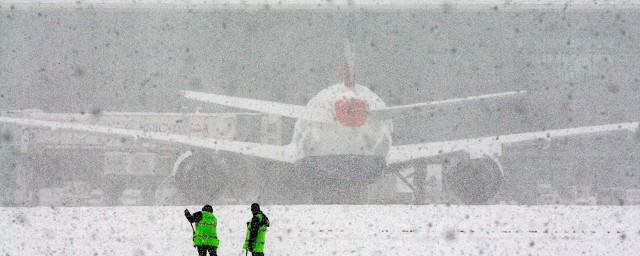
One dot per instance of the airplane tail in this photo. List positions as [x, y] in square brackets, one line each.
[350, 70]
[350, 77]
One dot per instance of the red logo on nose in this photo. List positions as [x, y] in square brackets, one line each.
[352, 112]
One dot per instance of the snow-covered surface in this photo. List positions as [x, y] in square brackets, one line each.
[329, 230]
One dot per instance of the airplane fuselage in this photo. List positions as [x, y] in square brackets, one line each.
[353, 148]
[353, 133]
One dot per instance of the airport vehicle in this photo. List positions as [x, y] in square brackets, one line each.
[61, 167]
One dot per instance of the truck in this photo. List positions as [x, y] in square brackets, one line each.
[69, 168]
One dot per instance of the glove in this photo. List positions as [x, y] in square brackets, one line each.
[187, 213]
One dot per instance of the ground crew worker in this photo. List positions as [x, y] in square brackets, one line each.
[205, 237]
[256, 231]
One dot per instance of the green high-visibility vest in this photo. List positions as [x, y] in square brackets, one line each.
[258, 245]
[205, 234]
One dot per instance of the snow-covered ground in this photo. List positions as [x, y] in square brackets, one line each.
[329, 230]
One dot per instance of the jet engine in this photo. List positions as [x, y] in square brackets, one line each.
[474, 181]
[201, 176]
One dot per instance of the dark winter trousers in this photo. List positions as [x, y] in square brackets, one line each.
[257, 254]
[202, 251]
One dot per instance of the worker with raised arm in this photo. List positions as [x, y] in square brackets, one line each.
[205, 237]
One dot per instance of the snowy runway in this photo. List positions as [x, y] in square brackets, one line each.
[329, 230]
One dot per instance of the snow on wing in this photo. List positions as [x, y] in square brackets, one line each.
[281, 153]
[492, 145]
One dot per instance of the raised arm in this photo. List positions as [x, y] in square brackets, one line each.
[196, 217]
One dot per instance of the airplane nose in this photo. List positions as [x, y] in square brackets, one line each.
[352, 112]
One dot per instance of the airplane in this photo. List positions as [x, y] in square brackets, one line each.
[342, 141]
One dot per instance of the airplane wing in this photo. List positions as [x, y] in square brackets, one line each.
[395, 111]
[273, 152]
[492, 145]
[263, 106]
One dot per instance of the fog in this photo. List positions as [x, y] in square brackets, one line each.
[577, 66]
[361, 127]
